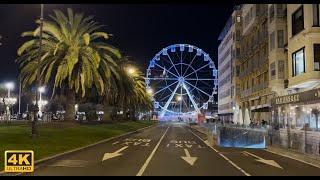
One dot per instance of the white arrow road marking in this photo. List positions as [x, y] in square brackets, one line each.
[115, 143]
[265, 161]
[114, 154]
[190, 160]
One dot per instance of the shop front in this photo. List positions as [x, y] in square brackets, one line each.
[297, 117]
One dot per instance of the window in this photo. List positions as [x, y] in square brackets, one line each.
[298, 62]
[237, 52]
[315, 13]
[272, 41]
[238, 19]
[271, 13]
[297, 21]
[279, 10]
[237, 71]
[273, 70]
[281, 69]
[280, 38]
[316, 53]
[237, 35]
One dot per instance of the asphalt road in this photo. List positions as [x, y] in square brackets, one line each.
[171, 149]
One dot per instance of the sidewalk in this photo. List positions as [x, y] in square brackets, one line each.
[289, 153]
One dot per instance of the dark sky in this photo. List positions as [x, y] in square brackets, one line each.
[139, 30]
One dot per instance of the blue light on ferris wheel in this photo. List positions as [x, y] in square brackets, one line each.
[164, 52]
[206, 58]
[198, 52]
[214, 72]
[173, 48]
[190, 49]
[181, 47]
[152, 63]
[157, 57]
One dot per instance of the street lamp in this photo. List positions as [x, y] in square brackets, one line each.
[9, 86]
[149, 91]
[34, 122]
[41, 90]
[179, 98]
[131, 70]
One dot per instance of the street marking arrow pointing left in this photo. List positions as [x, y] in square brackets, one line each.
[114, 154]
[190, 160]
[265, 161]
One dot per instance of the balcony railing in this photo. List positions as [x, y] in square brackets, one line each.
[260, 87]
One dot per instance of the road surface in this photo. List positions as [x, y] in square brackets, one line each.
[171, 149]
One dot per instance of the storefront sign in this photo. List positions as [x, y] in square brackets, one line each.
[306, 96]
[288, 99]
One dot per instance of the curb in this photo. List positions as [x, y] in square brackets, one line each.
[40, 161]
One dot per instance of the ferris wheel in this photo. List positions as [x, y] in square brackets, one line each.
[182, 80]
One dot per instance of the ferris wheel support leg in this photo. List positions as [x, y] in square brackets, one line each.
[191, 98]
[169, 100]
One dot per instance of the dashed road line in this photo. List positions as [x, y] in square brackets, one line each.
[224, 157]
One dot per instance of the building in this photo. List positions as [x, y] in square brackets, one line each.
[224, 76]
[254, 93]
[296, 112]
[227, 50]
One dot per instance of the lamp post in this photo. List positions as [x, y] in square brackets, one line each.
[9, 86]
[34, 122]
[41, 90]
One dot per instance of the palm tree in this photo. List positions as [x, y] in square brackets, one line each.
[127, 92]
[74, 58]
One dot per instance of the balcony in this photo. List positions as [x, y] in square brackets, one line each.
[260, 87]
[245, 93]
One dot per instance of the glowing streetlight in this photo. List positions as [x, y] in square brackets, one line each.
[41, 90]
[9, 86]
[150, 91]
[179, 98]
[131, 70]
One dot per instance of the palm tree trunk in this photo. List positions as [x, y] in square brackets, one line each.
[70, 107]
[106, 113]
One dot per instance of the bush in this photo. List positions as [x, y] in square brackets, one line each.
[91, 116]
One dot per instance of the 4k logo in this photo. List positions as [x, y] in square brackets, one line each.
[19, 161]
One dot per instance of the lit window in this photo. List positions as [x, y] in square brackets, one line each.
[298, 62]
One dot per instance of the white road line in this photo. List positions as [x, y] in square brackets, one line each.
[143, 168]
[227, 159]
[283, 155]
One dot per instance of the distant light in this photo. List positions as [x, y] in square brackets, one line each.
[149, 91]
[131, 70]
[9, 85]
[179, 98]
[42, 89]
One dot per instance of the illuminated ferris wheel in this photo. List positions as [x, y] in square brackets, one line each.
[182, 80]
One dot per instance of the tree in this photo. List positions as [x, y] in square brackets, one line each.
[74, 57]
[127, 93]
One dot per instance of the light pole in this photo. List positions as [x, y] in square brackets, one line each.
[34, 122]
[41, 90]
[9, 86]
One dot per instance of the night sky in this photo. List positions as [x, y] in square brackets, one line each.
[140, 30]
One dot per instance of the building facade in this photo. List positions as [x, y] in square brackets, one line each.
[254, 78]
[296, 112]
[229, 38]
[224, 65]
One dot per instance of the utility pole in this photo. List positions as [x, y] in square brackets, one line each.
[19, 107]
[36, 109]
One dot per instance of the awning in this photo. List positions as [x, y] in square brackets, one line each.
[261, 108]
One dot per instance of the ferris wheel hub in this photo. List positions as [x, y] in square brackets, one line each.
[181, 79]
